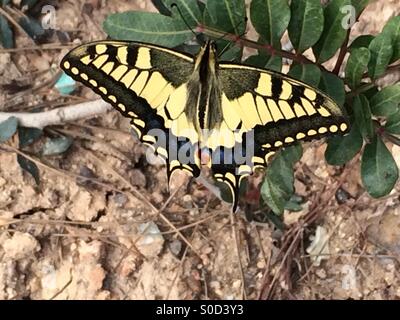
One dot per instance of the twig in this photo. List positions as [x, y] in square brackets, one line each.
[211, 187]
[256, 45]
[344, 47]
[234, 233]
[180, 267]
[103, 238]
[289, 251]
[143, 232]
[364, 87]
[59, 115]
[342, 54]
[63, 287]
[156, 211]
[7, 221]
[64, 173]
[48, 46]
[102, 129]
[171, 225]
[119, 154]
[292, 235]
[137, 194]
[190, 225]
[15, 24]
[184, 256]
[267, 261]
[351, 255]
[389, 70]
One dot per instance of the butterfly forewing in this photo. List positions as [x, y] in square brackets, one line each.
[147, 84]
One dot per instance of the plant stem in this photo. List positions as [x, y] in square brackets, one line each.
[259, 46]
[342, 54]
[359, 90]
[344, 47]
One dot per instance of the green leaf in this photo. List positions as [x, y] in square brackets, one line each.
[393, 123]
[333, 34]
[342, 149]
[381, 54]
[392, 29]
[306, 23]
[8, 129]
[270, 18]
[265, 61]
[6, 34]
[277, 221]
[234, 53]
[379, 172]
[147, 27]
[277, 187]
[292, 154]
[226, 15]
[333, 86]
[356, 66]
[191, 48]
[29, 167]
[189, 9]
[386, 101]
[361, 42]
[371, 92]
[28, 136]
[363, 116]
[275, 197]
[294, 203]
[226, 192]
[386, 109]
[308, 73]
[56, 146]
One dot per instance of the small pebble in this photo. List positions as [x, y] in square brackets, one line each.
[175, 247]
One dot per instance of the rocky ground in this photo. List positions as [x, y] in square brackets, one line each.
[104, 237]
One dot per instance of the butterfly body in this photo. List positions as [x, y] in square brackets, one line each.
[203, 107]
[179, 104]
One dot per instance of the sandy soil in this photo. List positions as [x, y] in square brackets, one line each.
[73, 238]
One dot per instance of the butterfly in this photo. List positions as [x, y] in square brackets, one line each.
[184, 106]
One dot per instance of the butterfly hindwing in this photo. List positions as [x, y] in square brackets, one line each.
[276, 111]
[145, 83]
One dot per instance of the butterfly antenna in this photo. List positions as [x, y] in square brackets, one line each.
[173, 5]
[225, 34]
[234, 29]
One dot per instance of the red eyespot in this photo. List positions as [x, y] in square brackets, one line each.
[200, 28]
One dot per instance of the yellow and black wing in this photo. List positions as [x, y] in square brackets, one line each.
[151, 85]
[274, 111]
[147, 84]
